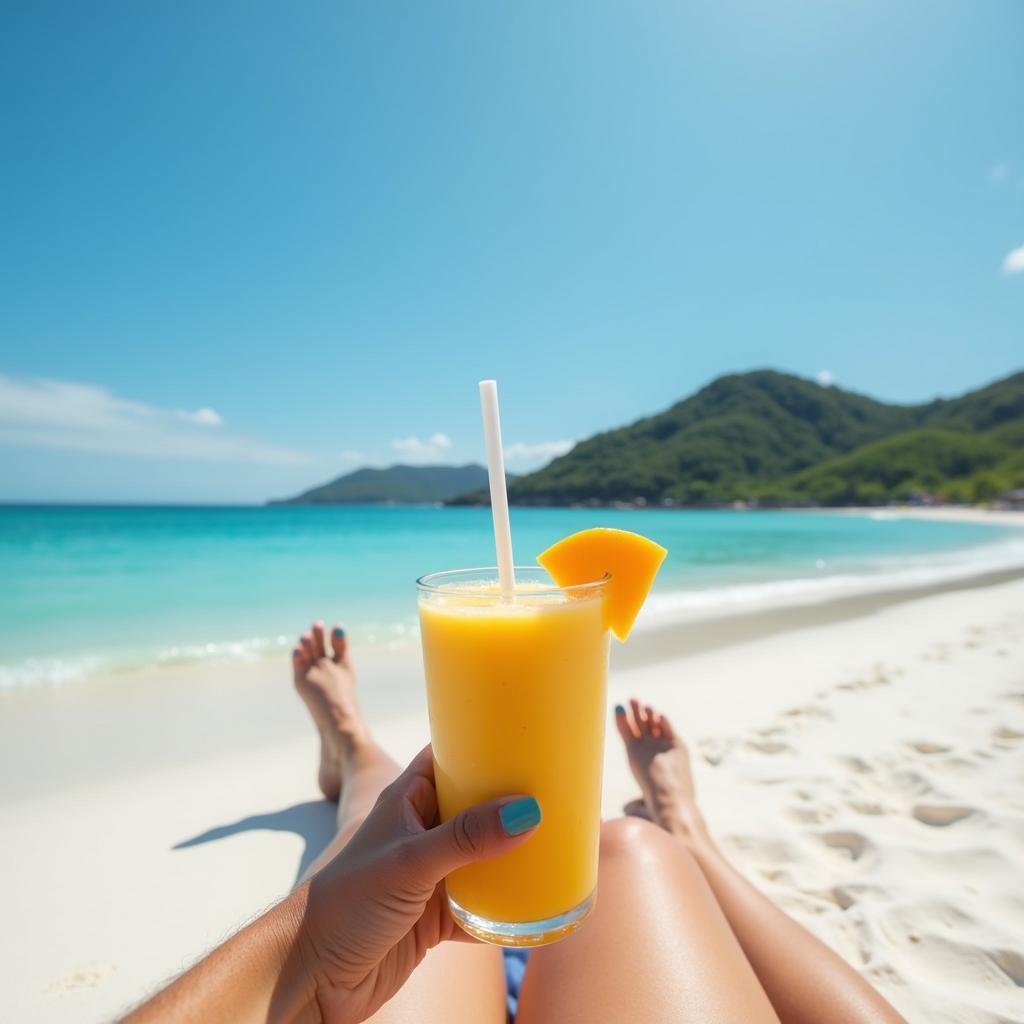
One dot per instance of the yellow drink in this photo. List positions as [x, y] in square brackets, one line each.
[516, 691]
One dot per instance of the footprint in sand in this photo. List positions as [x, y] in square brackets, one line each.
[1010, 963]
[713, 751]
[1004, 732]
[957, 765]
[855, 764]
[777, 876]
[762, 852]
[85, 977]
[911, 783]
[937, 653]
[941, 815]
[850, 844]
[969, 966]
[770, 747]
[867, 807]
[806, 714]
[841, 897]
[925, 747]
[857, 684]
[811, 815]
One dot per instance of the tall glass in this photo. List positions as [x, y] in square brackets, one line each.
[516, 692]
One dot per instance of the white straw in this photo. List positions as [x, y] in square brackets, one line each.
[496, 476]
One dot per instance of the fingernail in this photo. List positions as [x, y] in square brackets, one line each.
[520, 816]
[619, 709]
[339, 632]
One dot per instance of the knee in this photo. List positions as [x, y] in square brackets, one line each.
[640, 850]
[626, 837]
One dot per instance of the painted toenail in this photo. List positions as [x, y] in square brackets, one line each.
[339, 632]
[619, 709]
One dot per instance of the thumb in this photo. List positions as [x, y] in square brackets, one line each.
[478, 833]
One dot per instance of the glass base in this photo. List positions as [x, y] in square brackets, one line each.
[522, 933]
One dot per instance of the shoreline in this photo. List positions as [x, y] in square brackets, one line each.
[664, 642]
[211, 706]
[934, 513]
[700, 601]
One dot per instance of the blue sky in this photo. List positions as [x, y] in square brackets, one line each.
[247, 246]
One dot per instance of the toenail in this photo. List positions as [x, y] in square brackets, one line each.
[339, 632]
[619, 709]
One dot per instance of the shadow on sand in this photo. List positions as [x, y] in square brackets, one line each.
[313, 820]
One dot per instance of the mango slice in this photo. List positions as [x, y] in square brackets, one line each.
[632, 562]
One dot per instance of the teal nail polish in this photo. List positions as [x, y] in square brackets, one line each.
[339, 632]
[520, 816]
[619, 709]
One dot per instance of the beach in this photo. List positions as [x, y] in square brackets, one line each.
[860, 759]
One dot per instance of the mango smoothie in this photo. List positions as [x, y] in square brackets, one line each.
[516, 692]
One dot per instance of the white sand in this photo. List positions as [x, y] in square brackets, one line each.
[868, 773]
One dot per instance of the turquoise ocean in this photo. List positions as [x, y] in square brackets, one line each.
[89, 590]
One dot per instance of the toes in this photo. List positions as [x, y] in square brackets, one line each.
[638, 716]
[308, 647]
[666, 727]
[319, 650]
[339, 644]
[651, 721]
[299, 662]
[623, 724]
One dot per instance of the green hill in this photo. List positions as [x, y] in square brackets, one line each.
[899, 468]
[778, 438]
[402, 484]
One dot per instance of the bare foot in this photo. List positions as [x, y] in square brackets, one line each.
[660, 764]
[327, 684]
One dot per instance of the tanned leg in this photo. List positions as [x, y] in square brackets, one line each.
[806, 981]
[353, 770]
[657, 948]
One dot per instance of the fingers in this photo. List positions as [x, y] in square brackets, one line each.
[477, 833]
[422, 764]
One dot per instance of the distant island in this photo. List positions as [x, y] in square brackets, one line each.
[406, 485]
[768, 438]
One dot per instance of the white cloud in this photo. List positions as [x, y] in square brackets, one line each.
[413, 449]
[825, 378]
[531, 455]
[1014, 261]
[205, 417]
[999, 173]
[68, 416]
[351, 456]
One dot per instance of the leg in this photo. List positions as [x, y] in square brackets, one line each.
[353, 770]
[657, 948]
[806, 981]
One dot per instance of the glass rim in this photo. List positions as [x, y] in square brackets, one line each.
[428, 584]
